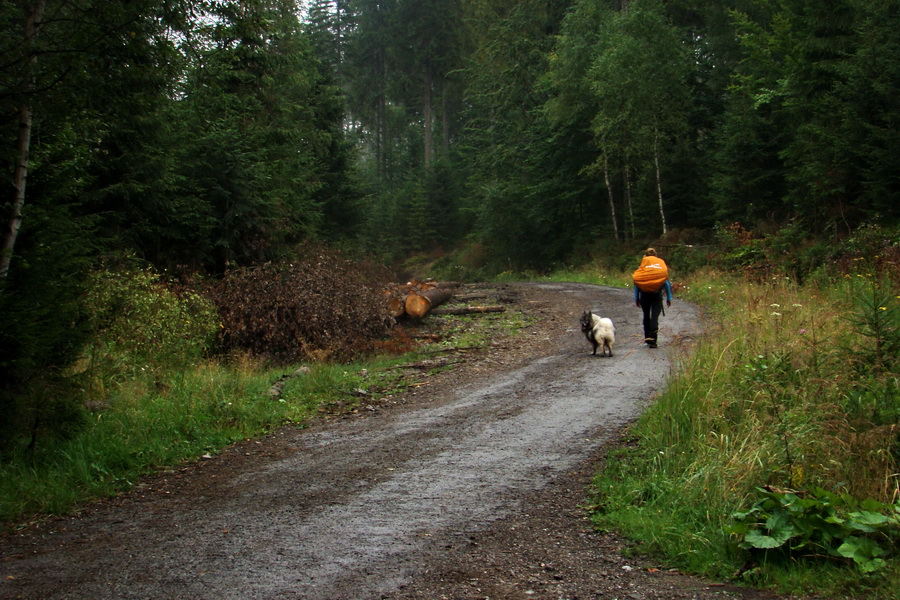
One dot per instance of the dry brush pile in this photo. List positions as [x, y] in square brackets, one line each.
[320, 307]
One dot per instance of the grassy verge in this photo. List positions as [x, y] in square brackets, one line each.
[794, 388]
[598, 275]
[144, 424]
[151, 421]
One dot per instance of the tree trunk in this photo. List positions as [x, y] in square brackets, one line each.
[662, 213]
[426, 114]
[32, 25]
[418, 304]
[396, 306]
[445, 122]
[396, 296]
[609, 192]
[381, 120]
[21, 174]
[627, 175]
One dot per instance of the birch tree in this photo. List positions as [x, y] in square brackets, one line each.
[34, 14]
[639, 81]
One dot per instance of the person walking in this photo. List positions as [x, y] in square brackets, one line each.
[650, 281]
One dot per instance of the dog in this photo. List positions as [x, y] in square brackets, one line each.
[598, 330]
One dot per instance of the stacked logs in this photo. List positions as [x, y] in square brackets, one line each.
[419, 298]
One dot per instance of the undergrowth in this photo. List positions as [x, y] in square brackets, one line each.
[776, 446]
[144, 423]
[151, 422]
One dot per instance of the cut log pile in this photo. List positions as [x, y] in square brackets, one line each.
[417, 299]
[414, 293]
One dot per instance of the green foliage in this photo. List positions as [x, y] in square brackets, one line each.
[141, 425]
[527, 197]
[739, 248]
[118, 325]
[262, 164]
[785, 524]
[639, 79]
[194, 140]
[140, 324]
[875, 316]
[871, 251]
[811, 93]
[875, 399]
[686, 259]
[421, 215]
[43, 327]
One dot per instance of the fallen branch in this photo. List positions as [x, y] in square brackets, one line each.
[444, 361]
[278, 387]
[467, 310]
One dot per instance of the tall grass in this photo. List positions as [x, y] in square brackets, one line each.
[794, 387]
[145, 423]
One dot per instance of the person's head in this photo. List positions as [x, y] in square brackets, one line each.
[650, 252]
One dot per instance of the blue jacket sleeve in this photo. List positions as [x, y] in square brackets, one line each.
[667, 286]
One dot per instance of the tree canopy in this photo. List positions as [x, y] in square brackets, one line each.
[208, 134]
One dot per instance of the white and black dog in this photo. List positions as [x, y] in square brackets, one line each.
[598, 331]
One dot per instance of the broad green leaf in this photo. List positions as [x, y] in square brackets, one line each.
[869, 518]
[863, 527]
[780, 525]
[865, 552]
[756, 539]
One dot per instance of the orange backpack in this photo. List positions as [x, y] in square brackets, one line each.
[651, 275]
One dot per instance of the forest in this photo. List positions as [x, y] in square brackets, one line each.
[193, 186]
[200, 138]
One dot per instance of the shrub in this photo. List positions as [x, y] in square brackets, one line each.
[784, 524]
[42, 327]
[140, 324]
[875, 316]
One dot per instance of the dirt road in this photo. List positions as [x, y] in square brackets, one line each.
[469, 488]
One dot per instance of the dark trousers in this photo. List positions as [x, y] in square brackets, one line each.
[652, 305]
